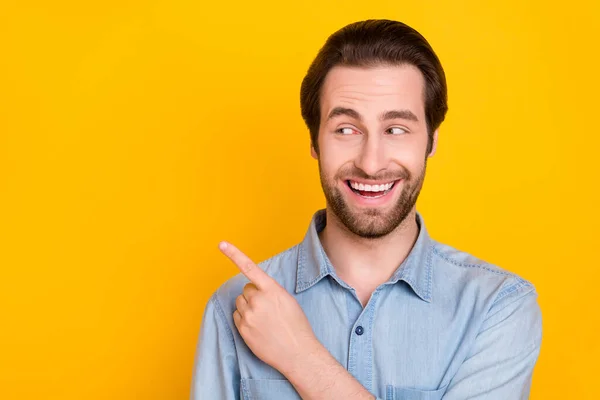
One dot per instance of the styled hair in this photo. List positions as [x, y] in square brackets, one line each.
[372, 43]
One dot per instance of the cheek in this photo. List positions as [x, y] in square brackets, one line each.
[413, 161]
[330, 166]
[334, 155]
[408, 156]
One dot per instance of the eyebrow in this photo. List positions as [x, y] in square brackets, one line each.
[392, 114]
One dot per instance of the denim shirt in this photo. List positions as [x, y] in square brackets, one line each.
[446, 325]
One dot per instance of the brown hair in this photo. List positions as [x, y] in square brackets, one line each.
[372, 43]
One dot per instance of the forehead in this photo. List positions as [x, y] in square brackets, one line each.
[374, 89]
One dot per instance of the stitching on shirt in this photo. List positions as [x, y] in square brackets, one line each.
[490, 314]
[484, 266]
[512, 288]
[300, 268]
[351, 362]
[308, 284]
[509, 289]
[413, 285]
[221, 313]
[245, 391]
[370, 348]
[537, 340]
[303, 285]
[276, 257]
[429, 268]
[266, 265]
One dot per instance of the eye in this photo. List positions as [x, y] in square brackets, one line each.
[396, 130]
[346, 131]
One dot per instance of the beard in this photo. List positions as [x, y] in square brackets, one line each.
[373, 223]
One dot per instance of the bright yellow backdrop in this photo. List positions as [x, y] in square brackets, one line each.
[136, 135]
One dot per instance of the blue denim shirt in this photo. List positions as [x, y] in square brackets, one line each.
[445, 326]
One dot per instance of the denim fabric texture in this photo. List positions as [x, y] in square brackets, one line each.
[446, 325]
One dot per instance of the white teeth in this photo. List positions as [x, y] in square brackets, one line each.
[371, 188]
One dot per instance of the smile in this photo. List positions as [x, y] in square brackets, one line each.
[370, 191]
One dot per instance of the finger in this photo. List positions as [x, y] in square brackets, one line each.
[241, 303]
[250, 290]
[237, 318]
[246, 266]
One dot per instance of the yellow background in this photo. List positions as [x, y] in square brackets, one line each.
[136, 135]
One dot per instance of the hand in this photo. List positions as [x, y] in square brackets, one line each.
[268, 318]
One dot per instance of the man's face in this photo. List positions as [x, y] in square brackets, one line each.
[372, 145]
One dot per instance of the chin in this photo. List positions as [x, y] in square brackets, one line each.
[370, 223]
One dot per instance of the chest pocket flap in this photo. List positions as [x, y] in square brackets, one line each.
[268, 389]
[400, 393]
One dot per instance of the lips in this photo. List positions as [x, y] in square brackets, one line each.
[370, 186]
[370, 191]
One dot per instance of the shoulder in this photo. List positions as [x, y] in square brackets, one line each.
[486, 294]
[471, 275]
[281, 267]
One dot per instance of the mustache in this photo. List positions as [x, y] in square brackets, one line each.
[354, 172]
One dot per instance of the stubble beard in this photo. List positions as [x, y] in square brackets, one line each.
[372, 223]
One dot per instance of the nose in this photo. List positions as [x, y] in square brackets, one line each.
[372, 157]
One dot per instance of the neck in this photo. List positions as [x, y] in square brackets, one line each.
[367, 263]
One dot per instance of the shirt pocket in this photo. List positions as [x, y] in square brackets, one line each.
[268, 389]
[401, 393]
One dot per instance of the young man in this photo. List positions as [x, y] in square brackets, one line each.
[368, 305]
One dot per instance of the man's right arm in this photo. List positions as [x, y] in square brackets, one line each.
[216, 371]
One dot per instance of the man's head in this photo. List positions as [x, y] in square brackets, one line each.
[373, 100]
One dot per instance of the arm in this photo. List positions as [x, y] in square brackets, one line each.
[216, 372]
[500, 365]
[317, 375]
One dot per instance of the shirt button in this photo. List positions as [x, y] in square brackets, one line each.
[359, 330]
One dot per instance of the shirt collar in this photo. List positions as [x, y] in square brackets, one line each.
[313, 263]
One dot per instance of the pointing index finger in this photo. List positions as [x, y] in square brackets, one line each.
[246, 265]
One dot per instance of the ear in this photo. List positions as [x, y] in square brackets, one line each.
[434, 145]
[313, 152]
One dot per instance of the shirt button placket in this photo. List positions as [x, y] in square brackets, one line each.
[360, 363]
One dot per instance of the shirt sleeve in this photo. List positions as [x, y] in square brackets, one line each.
[216, 371]
[500, 365]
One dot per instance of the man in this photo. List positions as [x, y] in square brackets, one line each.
[368, 305]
